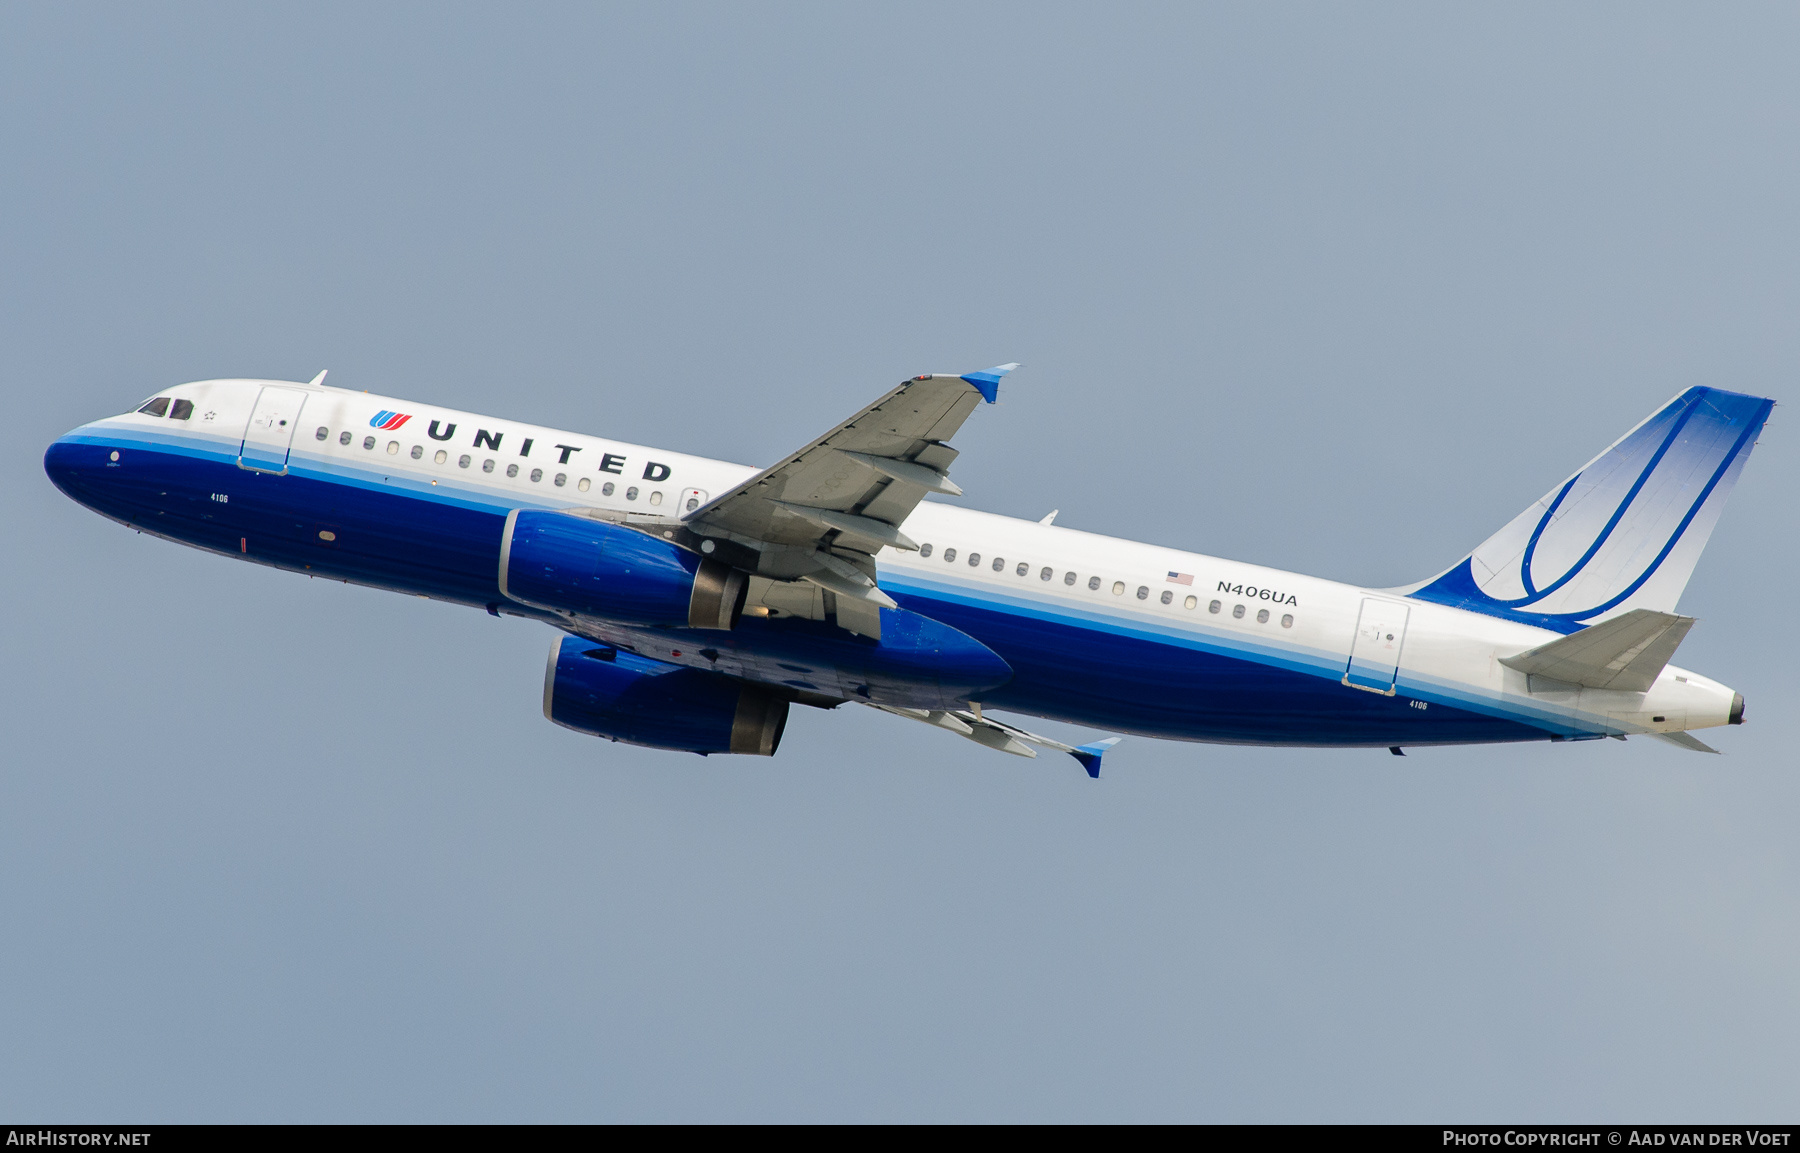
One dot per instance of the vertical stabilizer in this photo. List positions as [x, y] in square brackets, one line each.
[1623, 533]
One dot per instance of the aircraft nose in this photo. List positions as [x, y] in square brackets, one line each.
[78, 467]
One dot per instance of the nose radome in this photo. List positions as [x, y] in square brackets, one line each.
[65, 462]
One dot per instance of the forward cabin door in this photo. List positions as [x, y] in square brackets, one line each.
[271, 429]
[1375, 650]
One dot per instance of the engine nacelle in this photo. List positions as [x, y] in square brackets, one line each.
[611, 693]
[566, 563]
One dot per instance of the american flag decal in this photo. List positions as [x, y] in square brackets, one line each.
[1181, 578]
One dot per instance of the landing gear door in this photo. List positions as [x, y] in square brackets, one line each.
[1375, 650]
[271, 429]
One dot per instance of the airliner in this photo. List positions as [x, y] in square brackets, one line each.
[695, 601]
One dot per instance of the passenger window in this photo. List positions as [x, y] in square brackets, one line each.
[631, 494]
[562, 478]
[949, 556]
[693, 503]
[974, 560]
[656, 497]
[1190, 602]
[584, 484]
[606, 489]
[368, 443]
[157, 407]
[1213, 607]
[1167, 596]
[418, 451]
[462, 461]
[1023, 568]
[1045, 575]
[999, 564]
[1143, 592]
[344, 437]
[512, 470]
[924, 550]
[487, 465]
[439, 457]
[185, 408]
[1068, 578]
[1118, 588]
[1262, 616]
[322, 433]
[393, 447]
[1287, 620]
[537, 474]
[1237, 612]
[1093, 583]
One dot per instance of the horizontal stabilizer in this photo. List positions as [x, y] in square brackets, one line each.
[1627, 652]
[1685, 741]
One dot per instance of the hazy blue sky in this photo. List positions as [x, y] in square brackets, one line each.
[1338, 289]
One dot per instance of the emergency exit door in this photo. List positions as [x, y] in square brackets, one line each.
[271, 429]
[1375, 650]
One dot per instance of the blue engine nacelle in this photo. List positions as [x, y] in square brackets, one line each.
[567, 563]
[608, 692]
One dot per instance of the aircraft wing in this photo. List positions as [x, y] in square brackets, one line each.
[821, 514]
[973, 725]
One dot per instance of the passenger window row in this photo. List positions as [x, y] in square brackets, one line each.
[1094, 584]
[583, 484]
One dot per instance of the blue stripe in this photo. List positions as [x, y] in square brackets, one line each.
[1089, 664]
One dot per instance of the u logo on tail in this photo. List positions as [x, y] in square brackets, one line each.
[1623, 533]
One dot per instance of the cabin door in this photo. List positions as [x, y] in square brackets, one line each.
[1375, 650]
[271, 429]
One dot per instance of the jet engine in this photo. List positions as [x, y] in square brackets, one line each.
[612, 693]
[566, 563]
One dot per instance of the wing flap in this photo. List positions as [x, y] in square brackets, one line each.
[973, 725]
[822, 513]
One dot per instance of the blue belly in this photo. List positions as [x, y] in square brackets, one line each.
[392, 536]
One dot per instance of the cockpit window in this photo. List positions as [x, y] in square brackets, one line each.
[157, 407]
[182, 410]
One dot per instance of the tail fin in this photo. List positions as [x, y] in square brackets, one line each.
[1624, 532]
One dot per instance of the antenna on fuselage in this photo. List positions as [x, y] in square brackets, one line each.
[1051, 519]
[319, 379]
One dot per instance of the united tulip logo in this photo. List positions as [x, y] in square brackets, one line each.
[389, 421]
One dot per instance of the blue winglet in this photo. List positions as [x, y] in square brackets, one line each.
[988, 380]
[1089, 755]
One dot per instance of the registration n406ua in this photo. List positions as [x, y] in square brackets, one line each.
[695, 601]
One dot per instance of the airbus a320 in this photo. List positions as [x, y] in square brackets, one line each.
[695, 601]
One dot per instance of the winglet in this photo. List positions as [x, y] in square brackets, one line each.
[987, 381]
[1089, 755]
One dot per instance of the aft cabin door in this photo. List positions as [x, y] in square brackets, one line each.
[1375, 651]
[271, 429]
